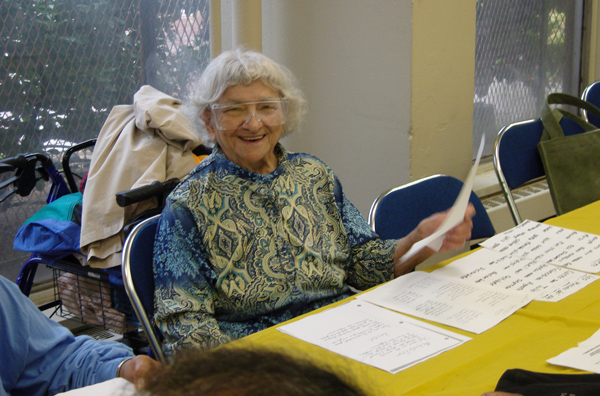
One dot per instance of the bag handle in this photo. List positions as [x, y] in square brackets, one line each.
[551, 118]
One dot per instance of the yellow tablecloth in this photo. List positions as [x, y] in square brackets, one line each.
[526, 339]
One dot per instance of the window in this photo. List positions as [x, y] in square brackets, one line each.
[66, 63]
[524, 51]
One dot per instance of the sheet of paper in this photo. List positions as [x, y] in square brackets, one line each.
[373, 335]
[116, 386]
[455, 215]
[549, 244]
[453, 302]
[586, 356]
[542, 281]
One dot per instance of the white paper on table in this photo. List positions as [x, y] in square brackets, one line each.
[373, 335]
[586, 356]
[543, 281]
[455, 215]
[549, 244]
[115, 386]
[453, 302]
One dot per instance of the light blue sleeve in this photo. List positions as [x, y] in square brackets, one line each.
[41, 357]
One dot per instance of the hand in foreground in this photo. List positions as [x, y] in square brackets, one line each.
[455, 239]
[136, 370]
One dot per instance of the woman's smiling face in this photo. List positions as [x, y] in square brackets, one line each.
[252, 144]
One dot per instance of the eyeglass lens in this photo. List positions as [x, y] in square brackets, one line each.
[232, 116]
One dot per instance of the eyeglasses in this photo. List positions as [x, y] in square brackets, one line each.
[231, 116]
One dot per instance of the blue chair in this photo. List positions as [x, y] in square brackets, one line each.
[139, 280]
[592, 94]
[396, 212]
[517, 159]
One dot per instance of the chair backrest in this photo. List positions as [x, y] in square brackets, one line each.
[396, 212]
[592, 94]
[517, 159]
[138, 278]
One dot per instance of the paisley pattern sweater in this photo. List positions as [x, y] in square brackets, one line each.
[237, 252]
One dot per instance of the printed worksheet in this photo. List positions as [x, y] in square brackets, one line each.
[550, 244]
[373, 335]
[543, 281]
[586, 356]
[454, 302]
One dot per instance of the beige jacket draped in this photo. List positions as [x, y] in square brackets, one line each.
[138, 144]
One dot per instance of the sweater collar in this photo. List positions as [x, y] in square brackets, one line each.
[223, 161]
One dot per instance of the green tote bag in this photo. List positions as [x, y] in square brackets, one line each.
[572, 163]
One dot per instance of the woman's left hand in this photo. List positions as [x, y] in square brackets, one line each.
[454, 239]
[457, 237]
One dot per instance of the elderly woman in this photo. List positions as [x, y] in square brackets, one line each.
[256, 235]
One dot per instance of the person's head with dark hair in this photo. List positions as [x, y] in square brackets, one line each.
[245, 372]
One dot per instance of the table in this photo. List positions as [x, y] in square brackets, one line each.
[525, 340]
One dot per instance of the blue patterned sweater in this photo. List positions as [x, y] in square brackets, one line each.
[237, 252]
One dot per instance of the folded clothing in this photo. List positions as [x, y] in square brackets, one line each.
[53, 232]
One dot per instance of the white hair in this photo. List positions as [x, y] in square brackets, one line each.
[240, 66]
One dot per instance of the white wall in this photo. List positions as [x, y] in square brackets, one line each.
[353, 60]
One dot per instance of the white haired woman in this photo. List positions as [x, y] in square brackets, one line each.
[256, 235]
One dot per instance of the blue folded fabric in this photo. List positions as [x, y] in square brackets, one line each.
[54, 231]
